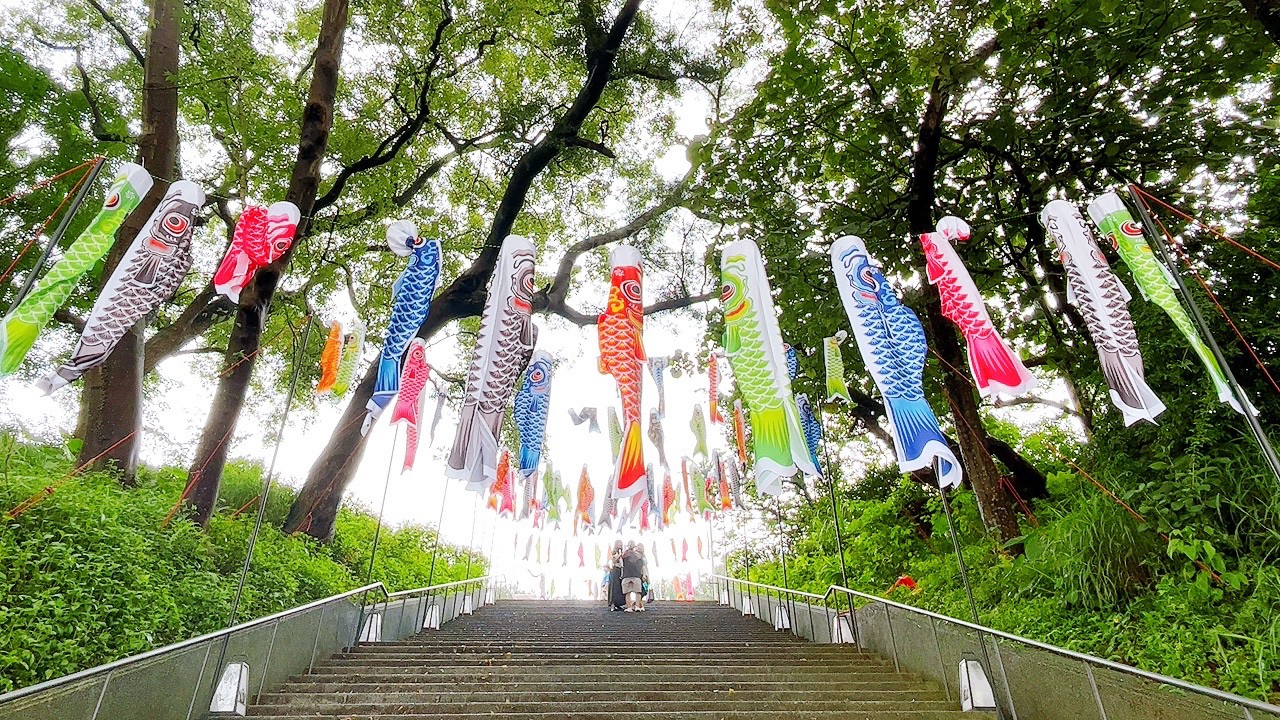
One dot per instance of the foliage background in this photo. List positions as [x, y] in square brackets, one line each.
[91, 574]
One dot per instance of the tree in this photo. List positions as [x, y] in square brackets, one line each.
[111, 400]
[246, 336]
[877, 122]
[606, 63]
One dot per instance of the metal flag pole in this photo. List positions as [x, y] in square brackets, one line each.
[782, 551]
[1260, 435]
[835, 517]
[262, 503]
[58, 233]
[964, 575]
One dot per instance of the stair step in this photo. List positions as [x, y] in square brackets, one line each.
[499, 694]
[687, 714]
[575, 661]
[313, 684]
[623, 708]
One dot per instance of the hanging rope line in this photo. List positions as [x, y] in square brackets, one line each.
[48, 490]
[268, 477]
[66, 199]
[1210, 229]
[47, 182]
[1177, 248]
[1004, 480]
[1136, 515]
[386, 485]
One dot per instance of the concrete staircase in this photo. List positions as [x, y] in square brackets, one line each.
[533, 659]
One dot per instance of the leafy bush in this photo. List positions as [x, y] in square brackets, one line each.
[91, 574]
[1093, 579]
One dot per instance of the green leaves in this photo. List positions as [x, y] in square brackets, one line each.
[90, 574]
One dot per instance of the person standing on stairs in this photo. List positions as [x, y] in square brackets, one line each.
[616, 598]
[633, 572]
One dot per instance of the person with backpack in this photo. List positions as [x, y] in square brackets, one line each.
[634, 573]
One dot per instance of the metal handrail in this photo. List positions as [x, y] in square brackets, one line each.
[442, 586]
[124, 662]
[1063, 652]
[374, 587]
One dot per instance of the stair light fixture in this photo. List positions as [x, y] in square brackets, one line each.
[372, 630]
[841, 630]
[231, 696]
[781, 620]
[432, 620]
[975, 689]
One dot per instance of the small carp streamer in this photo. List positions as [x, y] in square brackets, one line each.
[352, 346]
[585, 512]
[698, 424]
[410, 302]
[893, 348]
[754, 346]
[621, 339]
[1156, 283]
[149, 273]
[410, 401]
[713, 393]
[502, 494]
[615, 434]
[658, 439]
[833, 363]
[329, 358]
[793, 360]
[262, 236]
[996, 369]
[658, 369]
[531, 408]
[503, 350]
[586, 415]
[1103, 301]
[812, 429]
[668, 499]
[20, 328]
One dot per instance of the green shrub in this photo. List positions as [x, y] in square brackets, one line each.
[91, 574]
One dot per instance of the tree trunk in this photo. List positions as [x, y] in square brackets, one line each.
[993, 502]
[317, 503]
[110, 424]
[316, 506]
[205, 472]
[1266, 12]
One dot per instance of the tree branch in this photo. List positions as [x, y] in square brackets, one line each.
[66, 317]
[120, 30]
[391, 145]
[579, 141]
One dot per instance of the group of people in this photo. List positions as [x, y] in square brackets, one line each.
[627, 577]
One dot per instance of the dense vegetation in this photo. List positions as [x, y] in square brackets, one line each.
[544, 117]
[1194, 592]
[92, 573]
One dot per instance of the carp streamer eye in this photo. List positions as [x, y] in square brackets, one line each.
[112, 202]
[631, 289]
[176, 224]
[726, 292]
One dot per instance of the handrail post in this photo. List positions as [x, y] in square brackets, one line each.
[271, 648]
[893, 640]
[102, 694]
[315, 644]
[1093, 685]
[1008, 689]
[942, 665]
